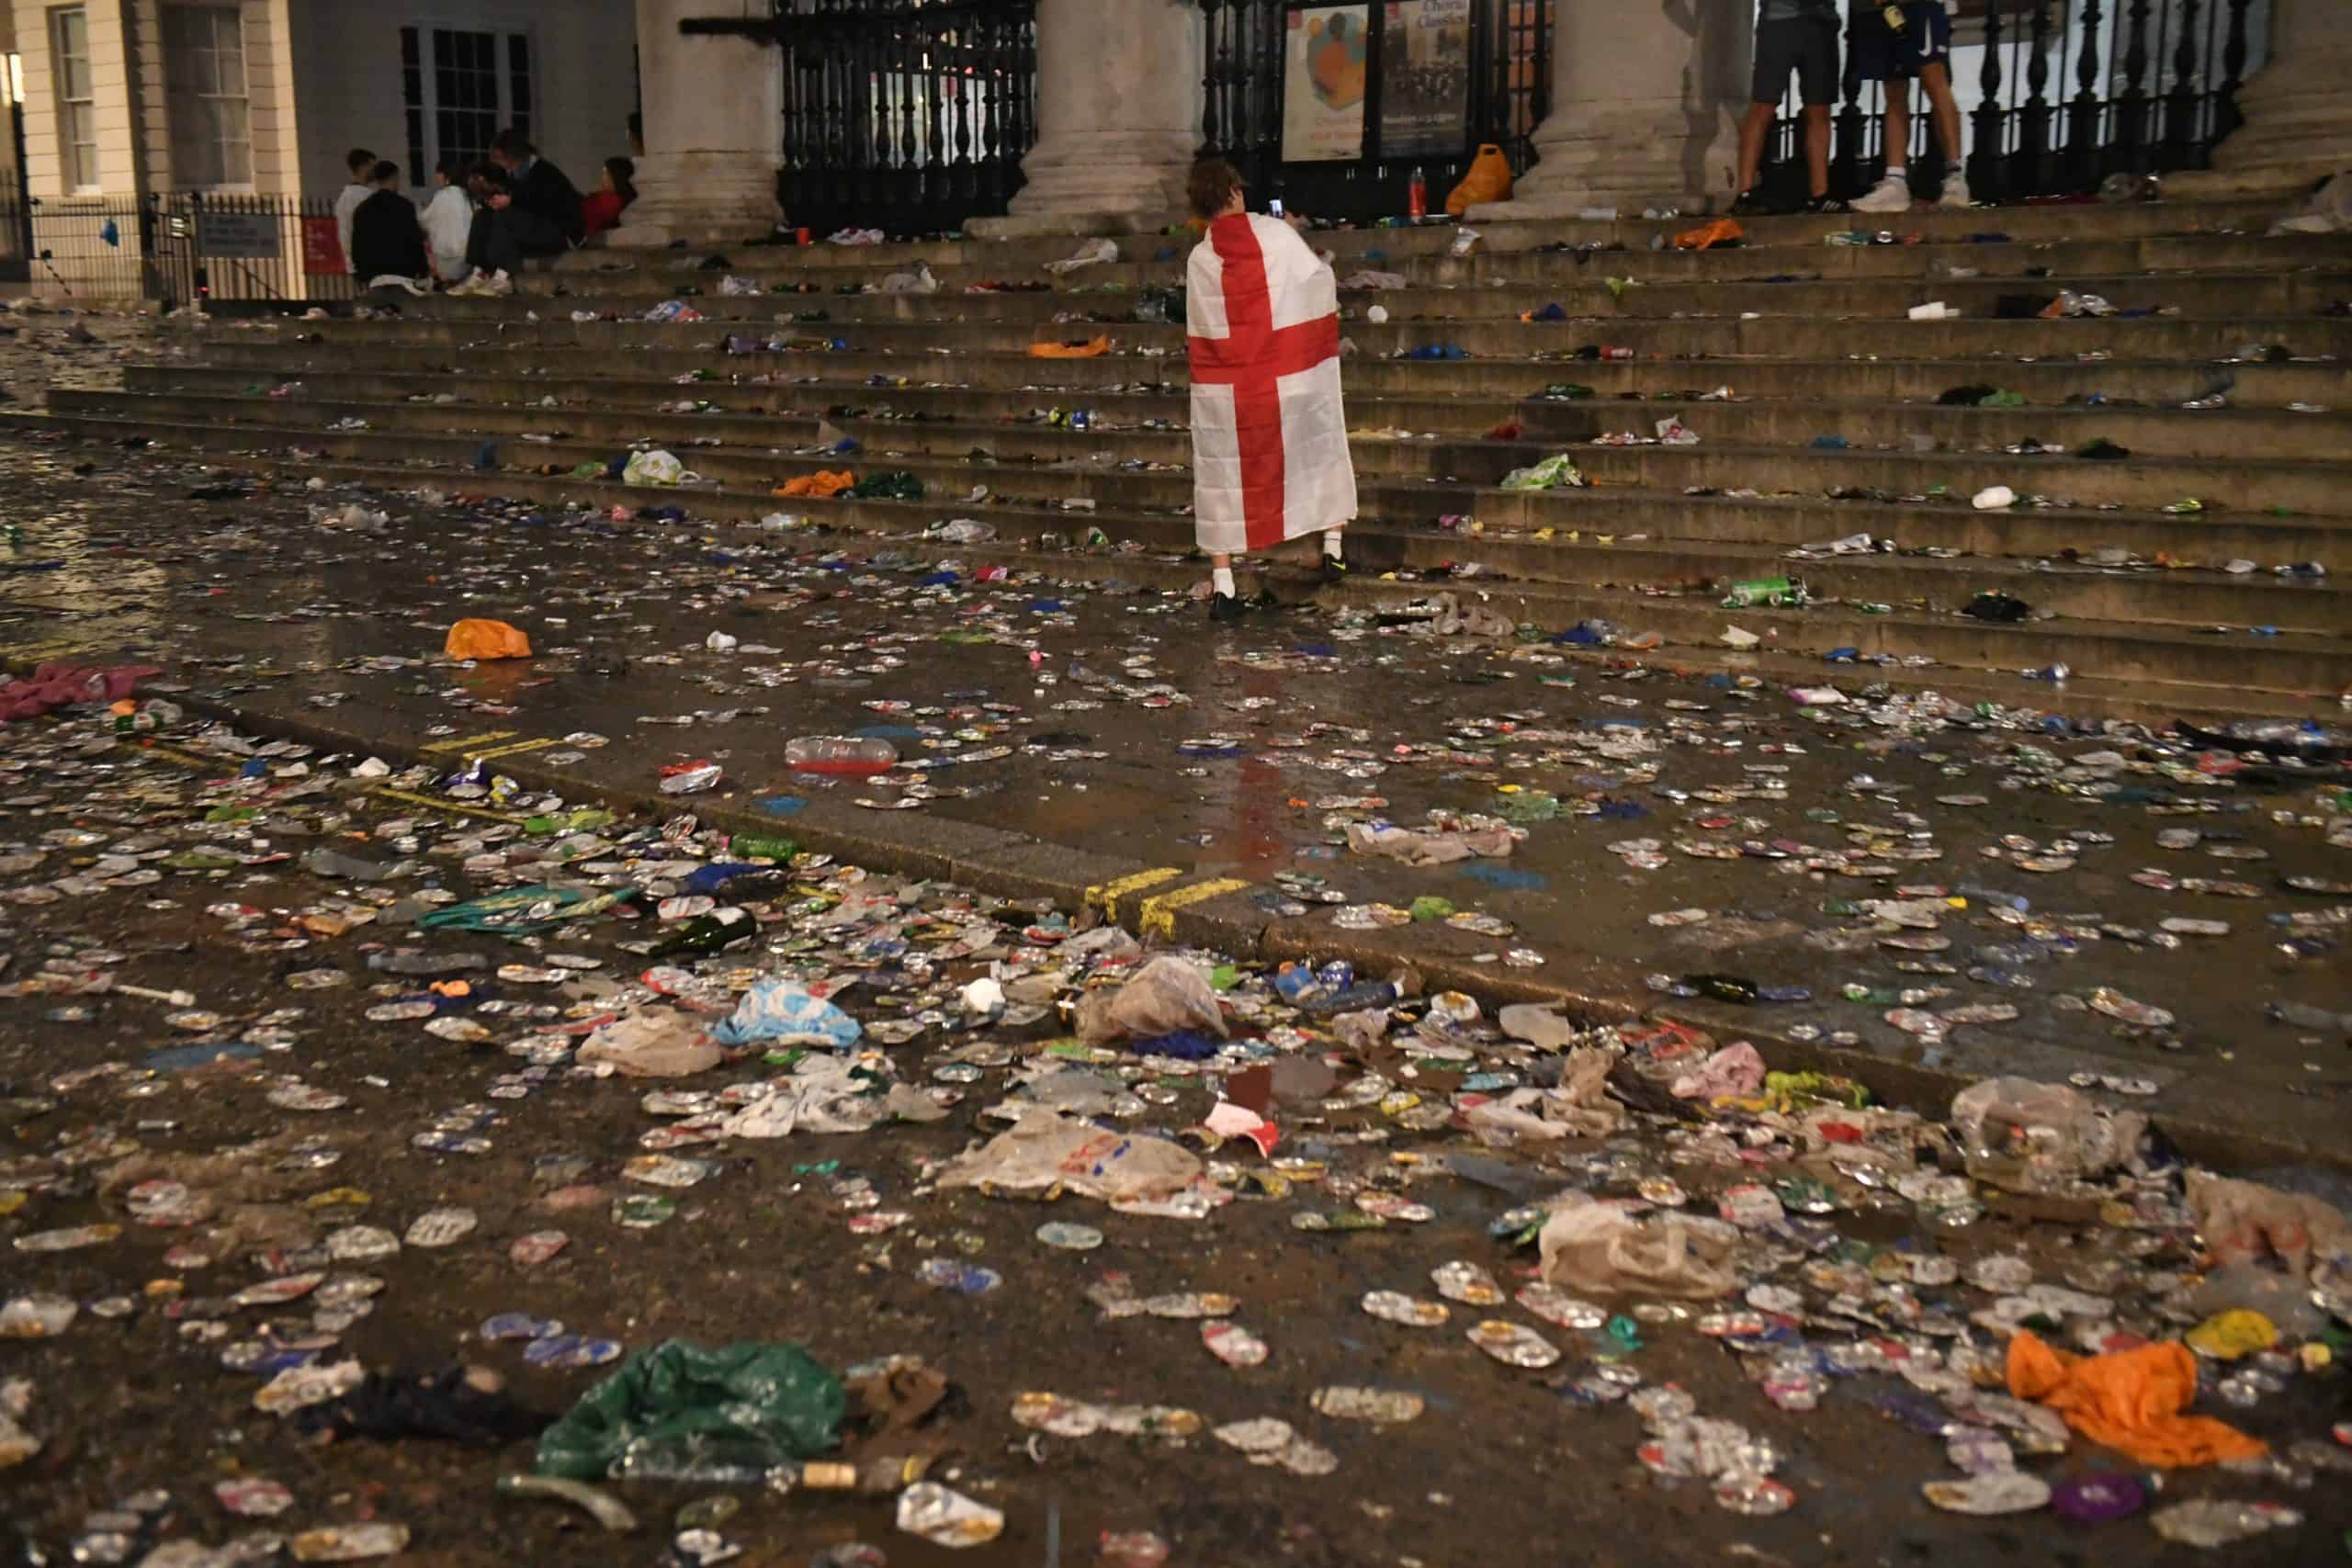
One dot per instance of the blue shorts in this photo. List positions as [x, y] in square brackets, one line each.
[1881, 51]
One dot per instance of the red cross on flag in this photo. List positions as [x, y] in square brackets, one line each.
[1270, 437]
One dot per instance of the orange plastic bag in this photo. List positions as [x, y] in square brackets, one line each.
[1099, 346]
[822, 484]
[1722, 231]
[1487, 179]
[486, 639]
[2130, 1401]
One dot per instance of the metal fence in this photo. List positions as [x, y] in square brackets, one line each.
[238, 251]
[2056, 95]
[910, 116]
[1425, 109]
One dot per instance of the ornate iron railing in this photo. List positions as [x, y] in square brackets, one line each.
[910, 116]
[2067, 93]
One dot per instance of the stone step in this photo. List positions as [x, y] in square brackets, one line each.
[1669, 559]
[2165, 337]
[2205, 293]
[2212, 434]
[1439, 476]
[1163, 262]
[2043, 222]
[502, 373]
[2290, 672]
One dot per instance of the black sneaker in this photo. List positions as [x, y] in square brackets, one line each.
[1821, 206]
[1751, 204]
[1225, 608]
[1334, 570]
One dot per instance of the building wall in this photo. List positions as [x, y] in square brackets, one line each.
[346, 71]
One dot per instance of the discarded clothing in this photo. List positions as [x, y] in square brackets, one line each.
[2130, 1401]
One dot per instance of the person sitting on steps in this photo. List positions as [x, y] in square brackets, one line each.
[1894, 43]
[1800, 37]
[387, 249]
[612, 197]
[537, 213]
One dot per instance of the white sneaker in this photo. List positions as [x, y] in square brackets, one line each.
[499, 286]
[474, 287]
[1892, 194]
[1956, 190]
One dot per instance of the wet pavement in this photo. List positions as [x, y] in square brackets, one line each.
[1722, 838]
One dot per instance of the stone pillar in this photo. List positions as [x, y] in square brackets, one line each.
[2298, 109]
[1120, 89]
[1646, 99]
[713, 128]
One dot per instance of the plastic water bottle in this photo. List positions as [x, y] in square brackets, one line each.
[849, 756]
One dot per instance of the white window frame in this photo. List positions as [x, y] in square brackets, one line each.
[430, 86]
[231, 181]
[77, 118]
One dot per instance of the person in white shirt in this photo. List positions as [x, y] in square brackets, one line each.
[448, 219]
[346, 202]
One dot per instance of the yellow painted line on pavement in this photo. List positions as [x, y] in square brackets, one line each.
[464, 741]
[1106, 896]
[432, 804]
[1156, 916]
[515, 749]
[36, 652]
[185, 759]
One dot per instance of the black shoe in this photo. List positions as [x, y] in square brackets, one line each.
[1225, 609]
[1822, 206]
[1751, 204]
[1334, 570]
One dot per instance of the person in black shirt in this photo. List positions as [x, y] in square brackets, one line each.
[387, 242]
[535, 214]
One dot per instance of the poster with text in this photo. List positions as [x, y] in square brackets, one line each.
[1327, 70]
[1424, 77]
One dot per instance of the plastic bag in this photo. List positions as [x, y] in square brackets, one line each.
[2246, 1223]
[823, 484]
[1487, 179]
[749, 1405]
[1094, 348]
[653, 1046]
[2040, 1137]
[654, 467]
[1090, 254]
[1707, 236]
[1552, 473]
[1167, 996]
[1427, 849]
[486, 639]
[1047, 1149]
[1602, 1249]
[1579, 1107]
[1735, 1070]
[2130, 1401]
[782, 1013]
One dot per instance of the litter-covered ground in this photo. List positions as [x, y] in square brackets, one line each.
[386, 1123]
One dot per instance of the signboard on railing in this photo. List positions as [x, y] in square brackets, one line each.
[322, 248]
[1424, 77]
[1326, 77]
[248, 236]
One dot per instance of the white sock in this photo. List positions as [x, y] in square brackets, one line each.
[1221, 579]
[1898, 171]
[1334, 543]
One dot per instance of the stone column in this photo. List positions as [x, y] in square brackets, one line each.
[2298, 109]
[1120, 89]
[713, 128]
[1646, 99]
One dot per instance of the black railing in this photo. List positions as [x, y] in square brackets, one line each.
[2065, 93]
[1501, 84]
[237, 251]
[908, 116]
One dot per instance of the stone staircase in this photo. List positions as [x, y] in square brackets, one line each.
[1830, 428]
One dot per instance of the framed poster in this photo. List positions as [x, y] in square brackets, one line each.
[1327, 70]
[1424, 77]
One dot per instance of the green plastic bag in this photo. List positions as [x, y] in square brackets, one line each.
[898, 484]
[748, 1405]
[1552, 473]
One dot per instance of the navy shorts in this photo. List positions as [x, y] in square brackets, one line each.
[1806, 46]
[1881, 51]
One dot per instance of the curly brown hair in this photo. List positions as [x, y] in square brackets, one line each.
[1213, 185]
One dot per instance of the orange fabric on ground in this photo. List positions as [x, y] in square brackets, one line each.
[1722, 231]
[820, 484]
[486, 639]
[1100, 345]
[2130, 1401]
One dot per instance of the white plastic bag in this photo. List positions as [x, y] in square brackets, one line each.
[655, 467]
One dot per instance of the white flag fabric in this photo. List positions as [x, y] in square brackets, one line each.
[1270, 436]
